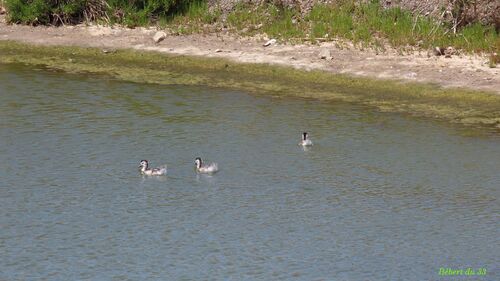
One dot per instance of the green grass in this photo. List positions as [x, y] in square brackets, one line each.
[150, 12]
[36, 11]
[456, 105]
[274, 21]
[334, 22]
[193, 19]
[128, 12]
[367, 24]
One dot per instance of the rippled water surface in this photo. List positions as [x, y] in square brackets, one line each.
[378, 197]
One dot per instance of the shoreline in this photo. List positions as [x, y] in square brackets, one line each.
[460, 71]
[243, 63]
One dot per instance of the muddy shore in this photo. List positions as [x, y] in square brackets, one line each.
[464, 71]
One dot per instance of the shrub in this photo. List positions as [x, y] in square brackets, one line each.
[131, 12]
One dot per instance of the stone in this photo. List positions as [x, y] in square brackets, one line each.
[2, 10]
[218, 50]
[449, 52]
[269, 43]
[159, 36]
[438, 51]
[411, 75]
[325, 54]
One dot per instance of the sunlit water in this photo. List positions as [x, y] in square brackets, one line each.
[378, 197]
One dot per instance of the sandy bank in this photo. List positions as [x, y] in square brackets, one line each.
[471, 72]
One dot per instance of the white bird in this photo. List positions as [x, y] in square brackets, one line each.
[205, 168]
[305, 140]
[145, 170]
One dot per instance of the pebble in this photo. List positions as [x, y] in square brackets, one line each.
[159, 36]
[325, 54]
[269, 43]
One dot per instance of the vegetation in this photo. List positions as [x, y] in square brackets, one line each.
[129, 12]
[45, 12]
[366, 24]
[457, 105]
[146, 12]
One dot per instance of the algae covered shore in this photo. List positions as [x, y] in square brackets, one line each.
[455, 105]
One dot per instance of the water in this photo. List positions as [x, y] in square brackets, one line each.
[378, 197]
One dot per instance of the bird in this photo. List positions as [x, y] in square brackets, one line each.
[145, 170]
[305, 140]
[205, 168]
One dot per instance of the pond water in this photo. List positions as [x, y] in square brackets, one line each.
[378, 197]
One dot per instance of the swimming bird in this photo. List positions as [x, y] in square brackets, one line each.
[145, 170]
[305, 140]
[205, 168]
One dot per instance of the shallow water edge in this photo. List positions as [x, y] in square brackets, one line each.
[455, 105]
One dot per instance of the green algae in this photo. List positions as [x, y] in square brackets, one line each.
[456, 105]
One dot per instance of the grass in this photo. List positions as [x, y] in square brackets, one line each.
[127, 12]
[194, 19]
[274, 21]
[134, 13]
[456, 105]
[364, 23]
